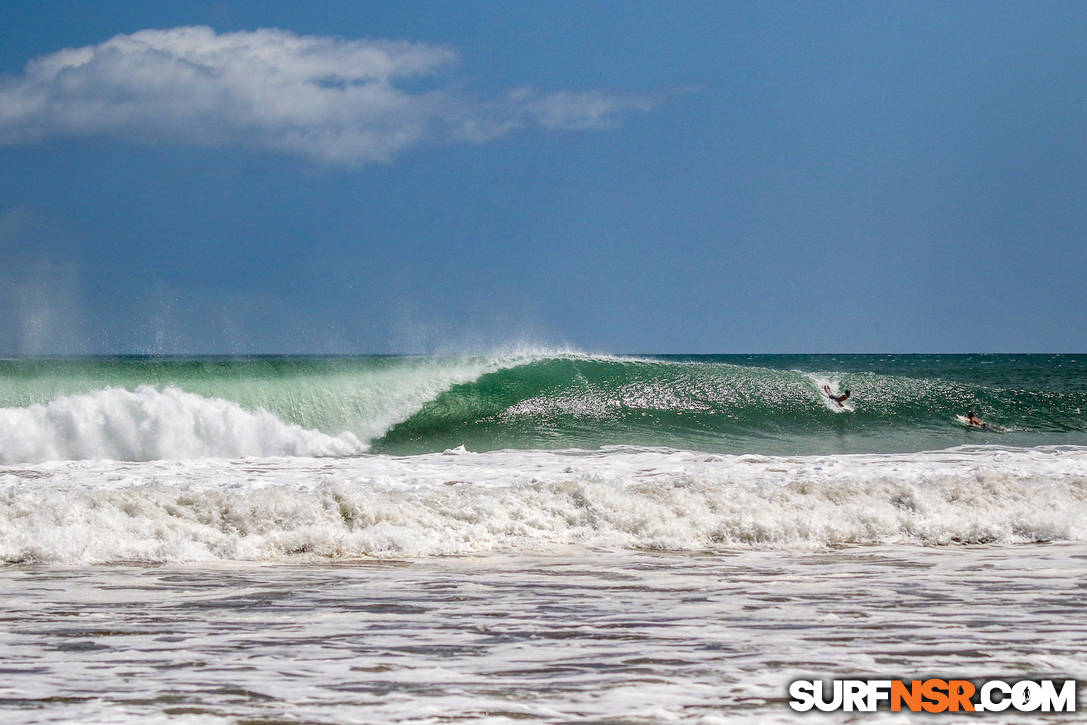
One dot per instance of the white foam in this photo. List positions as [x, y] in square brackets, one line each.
[148, 423]
[384, 506]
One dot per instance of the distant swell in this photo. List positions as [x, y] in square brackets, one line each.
[148, 424]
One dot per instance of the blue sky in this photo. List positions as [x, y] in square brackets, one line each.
[354, 177]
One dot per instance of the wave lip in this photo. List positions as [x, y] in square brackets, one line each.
[114, 408]
[149, 424]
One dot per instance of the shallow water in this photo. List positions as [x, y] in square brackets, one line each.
[574, 636]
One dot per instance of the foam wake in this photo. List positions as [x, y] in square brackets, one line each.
[148, 423]
[288, 509]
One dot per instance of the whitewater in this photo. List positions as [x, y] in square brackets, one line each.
[537, 534]
[461, 503]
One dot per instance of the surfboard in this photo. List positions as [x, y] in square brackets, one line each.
[846, 406]
[988, 426]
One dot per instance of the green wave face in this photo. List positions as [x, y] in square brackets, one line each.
[758, 404]
[730, 404]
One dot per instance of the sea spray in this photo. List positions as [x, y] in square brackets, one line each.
[140, 408]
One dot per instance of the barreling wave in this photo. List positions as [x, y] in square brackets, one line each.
[153, 408]
[717, 405]
[536, 501]
[143, 409]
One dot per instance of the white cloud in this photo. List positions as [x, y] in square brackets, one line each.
[331, 100]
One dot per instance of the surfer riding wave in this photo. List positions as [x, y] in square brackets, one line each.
[839, 399]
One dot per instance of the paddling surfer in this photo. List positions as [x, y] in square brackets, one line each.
[839, 399]
[973, 420]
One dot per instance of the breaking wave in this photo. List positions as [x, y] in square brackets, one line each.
[148, 423]
[150, 408]
[535, 501]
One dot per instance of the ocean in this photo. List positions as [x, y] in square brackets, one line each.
[537, 535]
